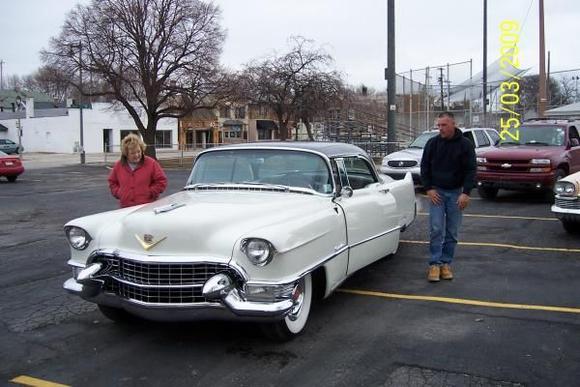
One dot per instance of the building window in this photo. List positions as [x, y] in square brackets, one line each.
[234, 131]
[225, 112]
[163, 139]
[241, 112]
[124, 133]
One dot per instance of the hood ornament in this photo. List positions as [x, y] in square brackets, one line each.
[148, 242]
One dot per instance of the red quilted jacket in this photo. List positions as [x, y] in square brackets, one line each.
[143, 185]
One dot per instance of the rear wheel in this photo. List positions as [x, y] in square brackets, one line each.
[11, 179]
[295, 322]
[487, 192]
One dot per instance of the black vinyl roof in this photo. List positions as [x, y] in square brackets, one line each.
[330, 149]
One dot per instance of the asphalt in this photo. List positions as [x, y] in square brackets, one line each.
[511, 316]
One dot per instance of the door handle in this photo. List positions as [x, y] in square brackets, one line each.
[384, 190]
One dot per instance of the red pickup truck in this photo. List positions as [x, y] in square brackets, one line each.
[546, 150]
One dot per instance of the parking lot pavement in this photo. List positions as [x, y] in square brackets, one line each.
[509, 318]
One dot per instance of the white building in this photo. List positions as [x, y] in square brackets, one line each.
[59, 131]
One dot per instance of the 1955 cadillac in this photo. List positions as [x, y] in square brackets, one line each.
[257, 232]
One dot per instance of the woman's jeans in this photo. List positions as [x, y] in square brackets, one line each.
[444, 222]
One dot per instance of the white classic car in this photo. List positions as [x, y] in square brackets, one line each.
[567, 202]
[257, 231]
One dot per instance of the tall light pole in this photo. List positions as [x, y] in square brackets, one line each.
[391, 77]
[79, 45]
[484, 104]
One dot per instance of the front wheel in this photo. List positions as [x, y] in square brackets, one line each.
[293, 324]
[117, 315]
[571, 227]
[487, 192]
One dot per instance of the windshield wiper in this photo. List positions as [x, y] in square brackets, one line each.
[534, 142]
[508, 143]
[415, 147]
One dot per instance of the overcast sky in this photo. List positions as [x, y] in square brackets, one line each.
[354, 32]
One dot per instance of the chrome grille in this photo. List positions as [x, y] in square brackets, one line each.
[161, 283]
[156, 295]
[568, 204]
[402, 163]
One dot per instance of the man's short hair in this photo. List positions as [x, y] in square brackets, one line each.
[446, 114]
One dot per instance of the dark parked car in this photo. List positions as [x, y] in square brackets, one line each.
[10, 147]
[10, 166]
[546, 151]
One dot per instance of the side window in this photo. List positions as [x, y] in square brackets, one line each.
[482, 139]
[469, 136]
[573, 135]
[494, 136]
[359, 172]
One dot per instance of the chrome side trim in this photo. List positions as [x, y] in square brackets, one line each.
[70, 262]
[375, 236]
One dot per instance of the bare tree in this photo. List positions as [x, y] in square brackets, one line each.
[316, 92]
[275, 81]
[156, 56]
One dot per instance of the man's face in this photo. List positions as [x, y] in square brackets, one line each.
[446, 127]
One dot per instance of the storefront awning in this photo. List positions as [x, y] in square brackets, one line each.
[233, 123]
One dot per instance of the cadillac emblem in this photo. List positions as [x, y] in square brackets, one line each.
[148, 241]
[401, 163]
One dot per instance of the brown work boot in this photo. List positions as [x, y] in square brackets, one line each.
[446, 272]
[434, 273]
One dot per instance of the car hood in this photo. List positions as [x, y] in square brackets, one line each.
[522, 152]
[206, 223]
[406, 154]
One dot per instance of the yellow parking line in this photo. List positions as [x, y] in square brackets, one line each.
[501, 217]
[505, 245]
[448, 300]
[30, 381]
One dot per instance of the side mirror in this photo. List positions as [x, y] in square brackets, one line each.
[346, 192]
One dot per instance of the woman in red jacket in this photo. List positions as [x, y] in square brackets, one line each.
[136, 178]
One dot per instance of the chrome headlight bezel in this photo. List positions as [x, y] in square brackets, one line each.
[565, 188]
[481, 160]
[259, 251]
[78, 238]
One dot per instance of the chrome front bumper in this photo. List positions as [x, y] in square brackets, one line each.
[224, 300]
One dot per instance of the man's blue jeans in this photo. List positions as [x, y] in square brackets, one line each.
[444, 222]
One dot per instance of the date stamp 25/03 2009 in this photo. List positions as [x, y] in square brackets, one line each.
[509, 89]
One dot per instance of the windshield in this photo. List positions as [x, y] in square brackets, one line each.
[420, 141]
[263, 167]
[536, 135]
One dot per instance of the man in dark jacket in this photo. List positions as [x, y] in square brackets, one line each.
[448, 174]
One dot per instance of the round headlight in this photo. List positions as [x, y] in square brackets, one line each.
[565, 188]
[258, 251]
[78, 238]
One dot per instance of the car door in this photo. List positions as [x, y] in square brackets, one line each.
[371, 215]
[574, 141]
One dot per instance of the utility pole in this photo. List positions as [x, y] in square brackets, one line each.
[542, 80]
[391, 77]
[2, 74]
[484, 63]
[440, 79]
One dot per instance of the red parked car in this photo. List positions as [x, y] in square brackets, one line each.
[546, 151]
[10, 166]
